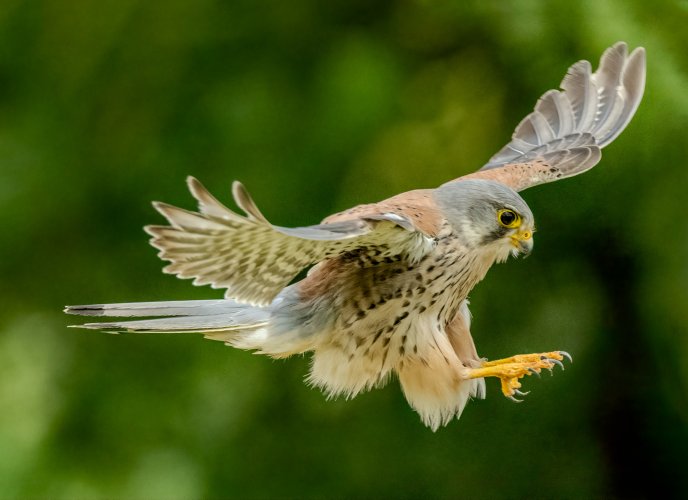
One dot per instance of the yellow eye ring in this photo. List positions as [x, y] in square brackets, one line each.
[508, 218]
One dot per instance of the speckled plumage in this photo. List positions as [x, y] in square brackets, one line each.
[388, 289]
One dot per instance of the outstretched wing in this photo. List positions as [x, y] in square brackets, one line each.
[253, 259]
[563, 136]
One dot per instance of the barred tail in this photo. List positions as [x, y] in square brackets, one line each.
[217, 319]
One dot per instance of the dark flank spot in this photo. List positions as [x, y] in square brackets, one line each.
[402, 350]
[351, 356]
[419, 277]
[400, 318]
[421, 289]
[385, 342]
[398, 271]
[415, 349]
[361, 314]
[422, 309]
[436, 294]
[552, 170]
[365, 292]
[382, 300]
[372, 306]
[359, 340]
[409, 292]
[388, 260]
[377, 336]
[430, 269]
[442, 274]
[398, 293]
[403, 339]
[406, 303]
[389, 329]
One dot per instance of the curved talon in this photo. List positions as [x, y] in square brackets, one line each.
[557, 362]
[511, 370]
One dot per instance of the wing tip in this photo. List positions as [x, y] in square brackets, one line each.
[153, 229]
[161, 207]
[636, 63]
[239, 192]
[195, 186]
[244, 201]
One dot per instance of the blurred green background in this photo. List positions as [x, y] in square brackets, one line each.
[317, 106]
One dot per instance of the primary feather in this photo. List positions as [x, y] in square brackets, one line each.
[253, 259]
[563, 136]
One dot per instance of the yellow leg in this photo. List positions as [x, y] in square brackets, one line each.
[510, 370]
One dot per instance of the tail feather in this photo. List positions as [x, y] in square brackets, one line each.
[169, 308]
[189, 316]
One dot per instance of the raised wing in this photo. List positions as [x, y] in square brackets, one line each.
[563, 136]
[253, 259]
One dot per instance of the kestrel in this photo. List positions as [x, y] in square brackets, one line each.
[388, 283]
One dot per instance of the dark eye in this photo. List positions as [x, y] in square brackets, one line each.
[508, 218]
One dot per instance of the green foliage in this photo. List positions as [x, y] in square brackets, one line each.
[317, 106]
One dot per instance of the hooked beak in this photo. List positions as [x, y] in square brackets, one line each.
[523, 241]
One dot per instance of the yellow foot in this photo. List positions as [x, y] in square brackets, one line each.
[510, 370]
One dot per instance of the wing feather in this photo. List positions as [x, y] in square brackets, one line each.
[590, 111]
[252, 259]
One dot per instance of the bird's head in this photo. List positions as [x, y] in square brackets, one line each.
[488, 215]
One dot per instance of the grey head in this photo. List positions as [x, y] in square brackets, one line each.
[487, 215]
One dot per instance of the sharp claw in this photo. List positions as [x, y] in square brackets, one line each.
[557, 362]
[566, 355]
[534, 372]
[514, 399]
[520, 393]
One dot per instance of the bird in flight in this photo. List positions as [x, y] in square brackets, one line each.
[388, 284]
